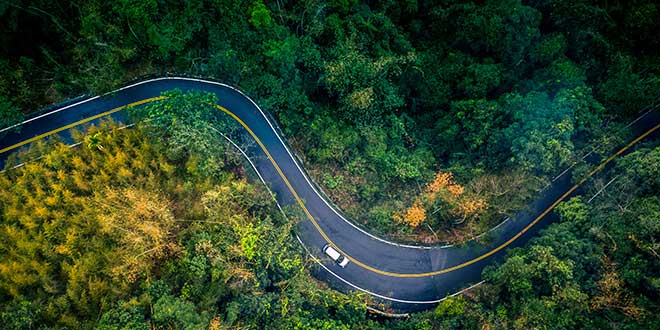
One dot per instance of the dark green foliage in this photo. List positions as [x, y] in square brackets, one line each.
[9, 115]
[169, 248]
[123, 318]
[549, 48]
[21, 315]
[471, 132]
[189, 126]
[375, 97]
[506, 29]
[594, 270]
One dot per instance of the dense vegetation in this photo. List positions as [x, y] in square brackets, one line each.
[376, 96]
[596, 269]
[423, 120]
[125, 233]
[130, 230]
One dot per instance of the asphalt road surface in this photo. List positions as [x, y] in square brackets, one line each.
[406, 277]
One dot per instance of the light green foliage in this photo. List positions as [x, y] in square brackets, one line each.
[332, 182]
[452, 306]
[573, 210]
[189, 124]
[260, 15]
[364, 84]
[375, 97]
[249, 242]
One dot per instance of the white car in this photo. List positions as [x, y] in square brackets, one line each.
[336, 256]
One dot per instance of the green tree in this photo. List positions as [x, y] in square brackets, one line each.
[540, 134]
[540, 289]
[260, 15]
[364, 85]
[123, 318]
[505, 28]
[20, 315]
[9, 115]
[190, 125]
[626, 90]
[174, 312]
[551, 47]
[473, 131]
[543, 130]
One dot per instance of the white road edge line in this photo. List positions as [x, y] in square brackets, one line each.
[285, 147]
[305, 176]
[297, 237]
[298, 166]
[417, 302]
[49, 113]
[301, 171]
[269, 124]
[601, 189]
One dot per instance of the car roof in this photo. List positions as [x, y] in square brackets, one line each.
[334, 254]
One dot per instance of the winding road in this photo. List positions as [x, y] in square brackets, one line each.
[406, 277]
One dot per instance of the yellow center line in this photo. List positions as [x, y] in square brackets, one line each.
[313, 220]
[80, 122]
[445, 270]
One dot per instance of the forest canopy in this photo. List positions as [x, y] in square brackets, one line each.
[120, 234]
[377, 97]
[425, 121]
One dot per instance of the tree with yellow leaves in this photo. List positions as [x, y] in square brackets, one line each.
[141, 221]
[414, 215]
[444, 198]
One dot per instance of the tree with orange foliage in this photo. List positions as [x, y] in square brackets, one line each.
[469, 207]
[442, 179]
[414, 215]
[445, 191]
